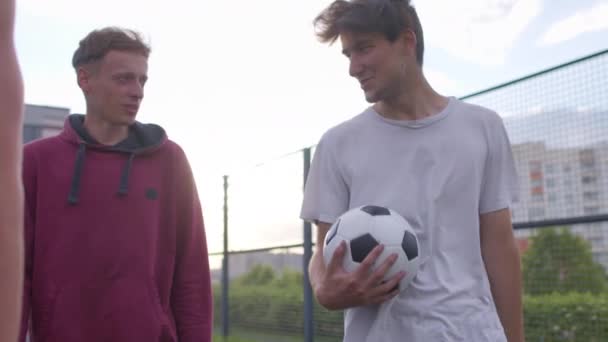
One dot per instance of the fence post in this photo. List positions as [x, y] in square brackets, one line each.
[225, 280]
[308, 298]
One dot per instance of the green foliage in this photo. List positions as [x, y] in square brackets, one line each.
[289, 279]
[559, 261]
[275, 304]
[260, 275]
[573, 317]
[265, 300]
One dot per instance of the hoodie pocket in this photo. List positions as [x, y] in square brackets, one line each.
[168, 331]
[123, 309]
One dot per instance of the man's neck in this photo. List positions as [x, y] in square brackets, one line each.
[104, 132]
[416, 101]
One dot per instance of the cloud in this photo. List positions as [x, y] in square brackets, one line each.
[479, 31]
[589, 20]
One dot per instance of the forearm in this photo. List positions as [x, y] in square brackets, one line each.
[504, 272]
[11, 90]
[316, 270]
[11, 258]
[11, 199]
[7, 19]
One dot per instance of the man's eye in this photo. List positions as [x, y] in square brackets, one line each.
[124, 78]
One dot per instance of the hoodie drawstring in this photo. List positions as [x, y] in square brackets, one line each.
[75, 189]
[123, 188]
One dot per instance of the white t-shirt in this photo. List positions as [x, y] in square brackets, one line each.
[440, 173]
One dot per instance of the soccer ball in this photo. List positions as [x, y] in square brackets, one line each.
[364, 228]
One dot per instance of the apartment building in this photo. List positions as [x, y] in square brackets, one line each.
[42, 121]
[564, 183]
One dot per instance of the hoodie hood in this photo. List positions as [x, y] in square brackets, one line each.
[142, 139]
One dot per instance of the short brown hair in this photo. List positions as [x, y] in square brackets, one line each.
[98, 43]
[388, 17]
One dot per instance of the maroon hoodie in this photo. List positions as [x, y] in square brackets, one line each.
[115, 243]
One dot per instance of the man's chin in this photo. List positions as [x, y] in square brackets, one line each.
[371, 97]
[129, 119]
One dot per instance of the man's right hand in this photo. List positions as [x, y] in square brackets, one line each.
[339, 289]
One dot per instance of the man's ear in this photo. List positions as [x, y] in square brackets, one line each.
[409, 40]
[83, 77]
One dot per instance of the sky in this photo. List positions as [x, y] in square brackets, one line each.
[238, 83]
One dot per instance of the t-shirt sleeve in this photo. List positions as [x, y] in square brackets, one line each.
[326, 194]
[500, 186]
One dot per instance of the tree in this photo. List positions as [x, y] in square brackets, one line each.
[258, 275]
[290, 279]
[559, 261]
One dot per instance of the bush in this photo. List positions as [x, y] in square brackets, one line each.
[575, 317]
[560, 261]
[278, 306]
[273, 303]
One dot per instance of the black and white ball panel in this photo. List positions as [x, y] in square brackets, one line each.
[410, 245]
[375, 210]
[361, 246]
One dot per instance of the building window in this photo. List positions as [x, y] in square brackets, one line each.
[587, 159]
[589, 179]
[30, 133]
[591, 210]
[591, 195]
[535, 165]
[536, 213]
[536, 170]
[537, 197]
[550, 182]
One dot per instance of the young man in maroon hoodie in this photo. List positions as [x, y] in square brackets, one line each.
[115, 243]
[11, 191]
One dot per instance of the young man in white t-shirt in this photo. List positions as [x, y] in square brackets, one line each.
[11, 192]
[445, 165]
